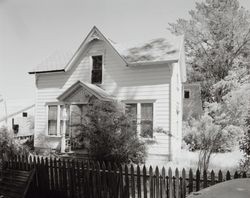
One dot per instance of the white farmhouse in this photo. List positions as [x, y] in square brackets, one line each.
[147, 78]
[18, 117]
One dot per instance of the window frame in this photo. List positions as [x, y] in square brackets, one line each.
[139, 115]
[91, 67]
[141, 120]
[57, 121]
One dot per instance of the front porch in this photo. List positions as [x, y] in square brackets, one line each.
[74, 103]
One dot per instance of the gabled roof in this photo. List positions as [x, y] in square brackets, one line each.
[161, 50]
[67, 60]
[92, 89]
[12, 113]
[55, 63]
[155, 50]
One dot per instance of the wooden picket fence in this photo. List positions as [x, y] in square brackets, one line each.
[74, 178]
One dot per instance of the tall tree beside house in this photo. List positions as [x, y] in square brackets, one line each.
[217, 38]
[110, 134]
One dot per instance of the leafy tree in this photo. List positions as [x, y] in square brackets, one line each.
[234, 94]
[9, 146]
[208, 138]
[110, 134]
[245, 146]
[217, 38]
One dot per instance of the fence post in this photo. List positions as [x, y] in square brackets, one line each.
[220, 177]
[177, 183]
[51, 174]
[197, 183]
[204, 179]
[157, 182]
[104, 180]
[228, 176]
[184, 186]
[56, 174]
[126, 182]
[138, 182]
[144, 182]
[190, 181]
[132, 181]
[236, 175]
[163, 173]
[78, 178]
[98, 180]
[151, 182]
[170, 183]
[46, 171]
[64, 176]
[94, 180]
[212, 178]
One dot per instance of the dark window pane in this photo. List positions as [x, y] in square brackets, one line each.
[97, 62]
[147, 120]
[25, 114]
[96, 77]
[52, 126]
[186, 94]
[96, 69]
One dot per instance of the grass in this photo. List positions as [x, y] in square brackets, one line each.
[187, 159]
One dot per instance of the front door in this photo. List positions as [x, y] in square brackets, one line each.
[77, 118]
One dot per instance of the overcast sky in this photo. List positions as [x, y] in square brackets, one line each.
[31, 30]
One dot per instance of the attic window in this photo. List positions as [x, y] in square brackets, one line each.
[25, 114]
[186, 94]
[97, 62]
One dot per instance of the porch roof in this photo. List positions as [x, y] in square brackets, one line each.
[91, 88]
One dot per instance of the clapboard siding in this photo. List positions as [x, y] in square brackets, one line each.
[125, 83]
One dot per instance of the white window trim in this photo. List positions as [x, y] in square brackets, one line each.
[91, 66]
[58, 120]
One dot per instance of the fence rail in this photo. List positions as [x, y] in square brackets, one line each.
[74, 178]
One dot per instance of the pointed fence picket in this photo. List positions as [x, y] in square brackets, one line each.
[80, 179]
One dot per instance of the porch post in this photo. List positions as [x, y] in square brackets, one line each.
[63, 139]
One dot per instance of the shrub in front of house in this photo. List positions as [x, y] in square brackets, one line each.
[9, 146]
[208, 137]
[110, 134]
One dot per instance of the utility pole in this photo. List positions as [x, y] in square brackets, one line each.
[5, 108]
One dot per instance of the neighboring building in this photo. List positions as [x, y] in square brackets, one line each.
[147, 78]
[192, 104]
[19, 119]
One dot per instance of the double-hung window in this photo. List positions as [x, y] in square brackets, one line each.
[52, 119]
[96, 74]
[55, 120]
[141, 115]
